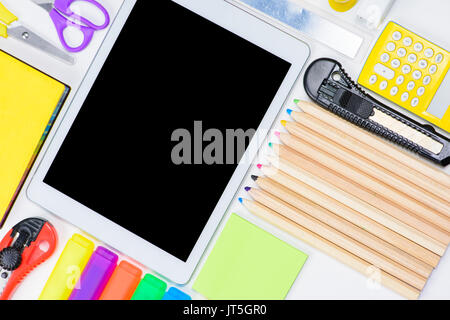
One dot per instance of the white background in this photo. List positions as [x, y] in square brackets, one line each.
[322, 277]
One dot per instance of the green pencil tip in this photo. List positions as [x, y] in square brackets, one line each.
[270, 144]
[296, 101]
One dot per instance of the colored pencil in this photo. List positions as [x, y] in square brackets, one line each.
[372, 146]
[340, 224]
[355, 160]
[338, 238]
[306, 188]
[398, 198]
[357, 168]
[329, 248]
[423, 241]
[370, 154]
[371, 198]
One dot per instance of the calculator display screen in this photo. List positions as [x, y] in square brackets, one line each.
[139, 151]
[441, 100]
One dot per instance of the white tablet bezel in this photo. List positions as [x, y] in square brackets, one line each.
[238, 22]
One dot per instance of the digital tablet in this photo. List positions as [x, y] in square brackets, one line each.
[163, 129]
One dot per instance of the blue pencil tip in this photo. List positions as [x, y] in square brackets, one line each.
[240, 200]
[289, 111]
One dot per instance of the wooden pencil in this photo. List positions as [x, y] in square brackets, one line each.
[346, 227]
[423, 241]
[433, 225]
[332, 204]
[330, 249]
[338, 238]
[381, 146]
[365, 180]
[358, 162]
[371, 154]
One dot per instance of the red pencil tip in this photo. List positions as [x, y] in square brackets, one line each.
[259, 166]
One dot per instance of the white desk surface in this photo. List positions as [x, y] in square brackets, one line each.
[322, 277]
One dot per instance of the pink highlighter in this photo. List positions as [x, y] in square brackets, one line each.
[95, 276]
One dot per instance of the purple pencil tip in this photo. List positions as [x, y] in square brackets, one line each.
[247, 188]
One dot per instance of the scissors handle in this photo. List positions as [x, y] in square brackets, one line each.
[64, 7]
[61, 23]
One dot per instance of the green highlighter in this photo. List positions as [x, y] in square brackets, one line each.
[150, 288]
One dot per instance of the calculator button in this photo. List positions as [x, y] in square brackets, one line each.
[384, 71]
[383, 85]
[396, 35]
[423, 64]
[433, 69]
[414, 102]
[410, 85]
[400, 80]
[385, 57]
[406, 69]
[426, 80]
[428, 52]
[418, 47]
[407, 41]
[401, 52]
[417, 74]
[439, 57]
[420, 91]
[412, 58]
[373, 79]
[405, 96]
[394, 90]
[395, 63]
[390, 46]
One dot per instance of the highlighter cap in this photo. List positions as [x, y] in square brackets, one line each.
[150, 288]
[96, 275]
[175, 294]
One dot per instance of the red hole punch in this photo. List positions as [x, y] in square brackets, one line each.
[24, 247]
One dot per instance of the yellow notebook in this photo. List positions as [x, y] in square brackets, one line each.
[29, 103]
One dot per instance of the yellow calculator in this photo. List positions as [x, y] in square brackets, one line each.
[411, 72]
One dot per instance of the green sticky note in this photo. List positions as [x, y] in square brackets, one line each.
[150, 288]
[249, 263]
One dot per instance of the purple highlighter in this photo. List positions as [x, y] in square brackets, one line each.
[95, 276]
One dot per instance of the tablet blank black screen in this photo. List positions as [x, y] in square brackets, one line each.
[165, 71]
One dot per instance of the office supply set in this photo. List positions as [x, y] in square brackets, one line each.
[335, 182]
[349, 194]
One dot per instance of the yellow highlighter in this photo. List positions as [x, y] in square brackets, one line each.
[68, 269]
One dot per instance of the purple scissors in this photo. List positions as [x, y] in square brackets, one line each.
[64, 17]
